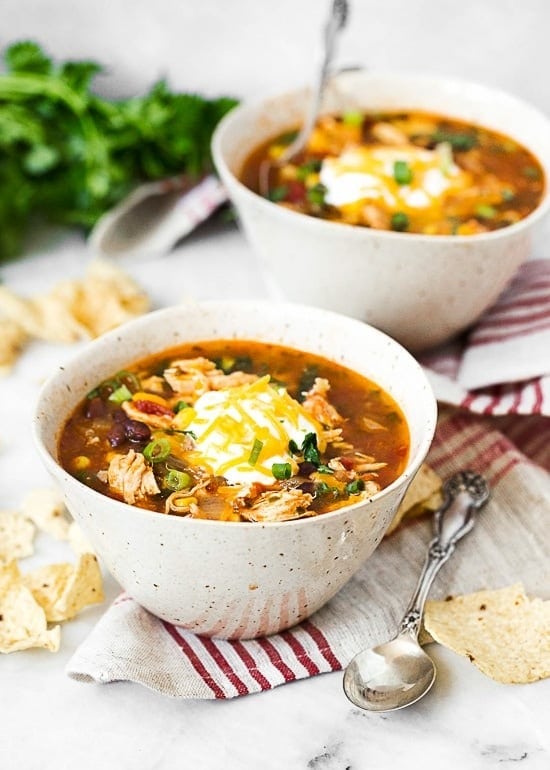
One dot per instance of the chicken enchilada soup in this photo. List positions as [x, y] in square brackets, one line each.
[236, 431]
[408, 172]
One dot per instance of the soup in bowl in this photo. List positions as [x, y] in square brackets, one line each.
[233, 464]
[411, 207]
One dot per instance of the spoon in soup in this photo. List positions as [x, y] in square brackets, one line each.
[398, 673]
[336, 21]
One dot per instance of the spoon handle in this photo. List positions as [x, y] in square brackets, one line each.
[464, 494]
[336, 21]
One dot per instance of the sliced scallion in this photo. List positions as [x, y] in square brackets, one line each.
[278, 193]
[402, 172]
[353, 118]
[484, 211]
[400, 221]
[281, 471]
[176, 480]
[120, 395]
[257, 447]
[157, 450]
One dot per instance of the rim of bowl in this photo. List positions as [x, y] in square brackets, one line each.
[55, 467]
[356, 231]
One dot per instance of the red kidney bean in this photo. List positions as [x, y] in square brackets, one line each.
[95, 408]
[117, 435]
[137, 431]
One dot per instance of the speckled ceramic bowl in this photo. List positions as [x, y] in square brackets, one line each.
[420, 289]
[231, 579]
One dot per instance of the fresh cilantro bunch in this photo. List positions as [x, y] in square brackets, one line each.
[67, 155]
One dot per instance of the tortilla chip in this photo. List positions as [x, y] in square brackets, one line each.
[13, 338]
[23, 622]
[503, 632]
[16, 536]
[47, 584]
[109, 298]
[83, 587]
[45, 508]
[72, 310]
[423, 495]
[78, 540]
[9, 576]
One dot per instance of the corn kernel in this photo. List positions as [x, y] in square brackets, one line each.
[81, 462]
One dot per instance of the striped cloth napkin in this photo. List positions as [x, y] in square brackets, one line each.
[509, 543]
[496, 380]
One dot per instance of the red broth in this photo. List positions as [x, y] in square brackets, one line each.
[135, 439]
[410, 172]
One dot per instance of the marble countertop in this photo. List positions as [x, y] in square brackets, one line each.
[49, 722]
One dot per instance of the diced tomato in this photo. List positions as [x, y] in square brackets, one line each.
[296, 192]
[151, 407]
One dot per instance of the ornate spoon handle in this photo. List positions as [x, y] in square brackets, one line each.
[465, 493]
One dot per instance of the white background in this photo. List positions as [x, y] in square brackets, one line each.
[248, 48]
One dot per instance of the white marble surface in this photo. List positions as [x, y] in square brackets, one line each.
[48, 721]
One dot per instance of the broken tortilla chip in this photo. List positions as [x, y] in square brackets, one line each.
[423, 495]
[16, 536]
[78, 540]
[72, 310]
[83, 587]
[23, 622]
[45, 508]
[503, 632]
[9, 576]
[13, 339]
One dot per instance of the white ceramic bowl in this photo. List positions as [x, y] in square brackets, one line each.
[232, 579]
[420, 289]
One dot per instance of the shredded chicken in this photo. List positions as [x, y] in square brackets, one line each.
[153, 384]
[315, 402]
[131, 477]
[193, 377]
[219, 381]
[279, 506]
[189, 377]
[387, 133]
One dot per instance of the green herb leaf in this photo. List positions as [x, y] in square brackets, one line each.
[459, 141]
[310, 450]
[484, 211]
[316, 194]
[355, 487]
[277, 194]
[181, 405]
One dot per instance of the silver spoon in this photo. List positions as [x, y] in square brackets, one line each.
[399, 672]
[336, 22]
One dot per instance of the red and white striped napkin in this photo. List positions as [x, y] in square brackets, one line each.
[510, 543]
[502, 366]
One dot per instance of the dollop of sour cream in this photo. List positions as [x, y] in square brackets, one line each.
[367, 173]
[242, 431]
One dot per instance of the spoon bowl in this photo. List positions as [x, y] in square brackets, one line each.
[390, 676]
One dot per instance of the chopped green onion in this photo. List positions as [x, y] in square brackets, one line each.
[461, 142]
[316, 194]
[157, 450]
[353, 118]
[484, 211]
[120, 395]
[508, 195]
[279, 193]
[181, 405]
[402, 172]
[176, 480]
[311, 167]
[281, 471]
[255, 453]
[531, 172]
[399, 221]
[354, 487]
[124, 377]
